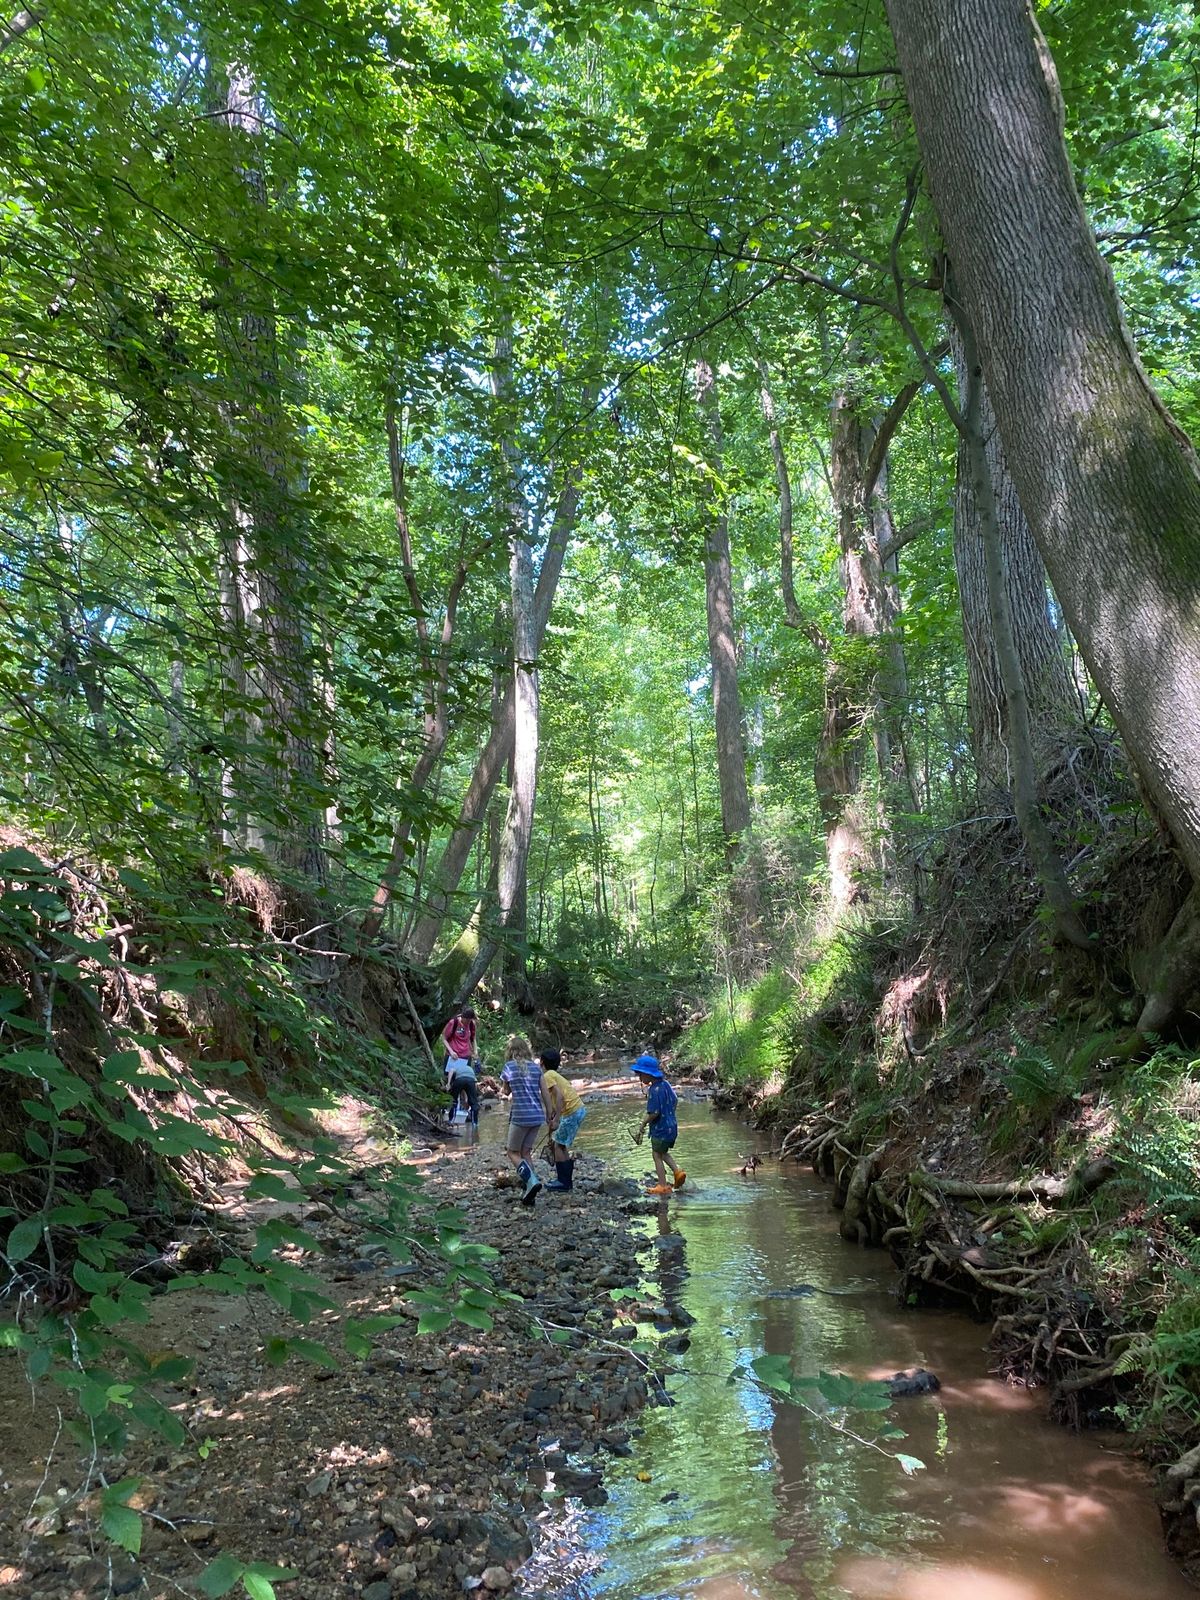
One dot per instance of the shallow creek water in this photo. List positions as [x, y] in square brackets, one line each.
[750, 1496]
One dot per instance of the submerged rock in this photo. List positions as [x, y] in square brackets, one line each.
[918, 1381]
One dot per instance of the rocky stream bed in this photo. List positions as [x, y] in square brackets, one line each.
[429, 1469]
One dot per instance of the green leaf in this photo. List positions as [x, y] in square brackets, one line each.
[774, 1371]
[473, 1316]
[271, 1186]
[220, 1576]
[259, 1579]
[12, 1163]
[123, 1526]
[433, 1321]
[911, 1464]
[92, 1281]
[18, 862]
[24, 1239]
[310, 1350]
[853, 1394]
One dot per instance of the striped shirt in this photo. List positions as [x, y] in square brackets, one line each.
[524, 1078]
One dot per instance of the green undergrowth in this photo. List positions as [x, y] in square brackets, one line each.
[805, 1017]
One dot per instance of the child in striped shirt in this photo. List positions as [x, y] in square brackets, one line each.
[530, 1108]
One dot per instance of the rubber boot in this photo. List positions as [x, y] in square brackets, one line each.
[563, 1185]
[532, 1183]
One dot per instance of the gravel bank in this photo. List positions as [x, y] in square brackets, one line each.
[423, 1471]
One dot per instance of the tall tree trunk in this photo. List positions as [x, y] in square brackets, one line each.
[496, 751]
[722, 634]
[1109, 482]
[265, 584]
[507, 925]
[858, 705]
[736, 815]
[435, 670]
[783, 483]
[1043, 853]
[1053, 702]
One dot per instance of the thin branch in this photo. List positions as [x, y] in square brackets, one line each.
[906, 535]
[891, 421]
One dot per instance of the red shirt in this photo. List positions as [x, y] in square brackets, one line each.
[459, 1037]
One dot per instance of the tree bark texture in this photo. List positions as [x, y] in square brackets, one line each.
[1053, 702]
[1107, 479]
[1043, 853]
[17, 27]
[745, 899]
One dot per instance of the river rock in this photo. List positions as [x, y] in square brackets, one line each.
[503, 1539]
[393, 1514]
[498, 1579]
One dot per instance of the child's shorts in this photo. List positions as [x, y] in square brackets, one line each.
[522, 1140]
[565, 1133]
[662, 1147]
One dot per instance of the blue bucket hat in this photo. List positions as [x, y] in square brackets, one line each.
[647, 1067]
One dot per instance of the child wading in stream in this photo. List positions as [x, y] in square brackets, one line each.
[567, 1111]
[661, 1101]
[530, 1108]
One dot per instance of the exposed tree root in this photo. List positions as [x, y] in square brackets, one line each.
[1176, 969]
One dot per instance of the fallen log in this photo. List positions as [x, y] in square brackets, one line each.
[1082, 1181]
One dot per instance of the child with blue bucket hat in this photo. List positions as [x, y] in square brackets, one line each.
[661, 1101]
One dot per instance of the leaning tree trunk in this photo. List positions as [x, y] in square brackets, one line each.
[783, 483]
[507, 924]
[1109, 482]
[498, 748]
[1052, 699]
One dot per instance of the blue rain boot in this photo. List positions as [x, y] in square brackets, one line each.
[532, 1183]
[564, 1170]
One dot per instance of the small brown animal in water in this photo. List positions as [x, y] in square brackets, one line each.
[751, 1164]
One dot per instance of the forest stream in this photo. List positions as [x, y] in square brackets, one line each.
[747, 1497]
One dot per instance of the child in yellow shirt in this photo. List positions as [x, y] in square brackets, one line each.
[567, 1111]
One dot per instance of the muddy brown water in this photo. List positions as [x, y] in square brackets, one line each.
[749, 1496]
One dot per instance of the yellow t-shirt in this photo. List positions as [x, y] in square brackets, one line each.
[571, 1101]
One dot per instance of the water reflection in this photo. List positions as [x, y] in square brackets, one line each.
[748, 1497]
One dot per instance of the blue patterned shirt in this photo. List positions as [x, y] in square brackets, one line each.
[660, 1107]
[524, 1078]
